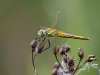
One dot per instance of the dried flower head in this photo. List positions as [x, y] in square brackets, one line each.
[65, 58]
[56, 65]
[67, 48]
[91, 58]
[34, 44]
[54, 71]
[62, 50]
[40, 47]
[80, 53]
[55, 49]
[71, 64]
[71, 61]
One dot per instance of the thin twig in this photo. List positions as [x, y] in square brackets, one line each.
[58, 60]
[77, 66]
[33, 63]
[82, 64]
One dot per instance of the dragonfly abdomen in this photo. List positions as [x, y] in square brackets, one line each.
[65, 35]
[76, 37]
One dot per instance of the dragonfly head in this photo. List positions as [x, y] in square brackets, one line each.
[41, 32]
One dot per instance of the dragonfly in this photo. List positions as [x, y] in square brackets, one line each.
[53, 32]
[45, 32]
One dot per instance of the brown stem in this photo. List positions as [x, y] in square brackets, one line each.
[33, 63]
[58, 60]
[77, 66]
[82, 64]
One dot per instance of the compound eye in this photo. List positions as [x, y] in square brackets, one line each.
[42, 32]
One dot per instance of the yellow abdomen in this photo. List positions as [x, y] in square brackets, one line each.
[65, 35]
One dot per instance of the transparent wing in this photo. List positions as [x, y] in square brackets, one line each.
[60, 18]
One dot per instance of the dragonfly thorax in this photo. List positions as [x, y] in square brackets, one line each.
[51, 32]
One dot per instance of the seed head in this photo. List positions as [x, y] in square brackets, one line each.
[55, 49]
[67, 48]
[34, 44]
[71, 64]
[71, 61]
[56, 65]
[91, 58]
[62, 50]
[65, 58]
[54, 72]
[80, 53]
[40, 47]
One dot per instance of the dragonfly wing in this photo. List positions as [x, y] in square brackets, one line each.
[43, 27]
[68, 33]
[60, 18]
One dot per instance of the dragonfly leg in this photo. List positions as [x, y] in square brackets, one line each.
[44, 38]
[48, 45]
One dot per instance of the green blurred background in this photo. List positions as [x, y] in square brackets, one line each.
[21, 19]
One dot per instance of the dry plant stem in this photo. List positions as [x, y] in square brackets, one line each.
[58, 60]
[33, 63]
[35, 57]
[77, 66]
[82, 65]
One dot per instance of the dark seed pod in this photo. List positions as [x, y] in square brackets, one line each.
[71, 61]
[65, 58]
[91, 58]
[34, 44]
[71, 64]
[56, 65]
[67, 48]
[54, 72]
[55, 49]
[62, 50]
[40, 47]
[80, 53]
